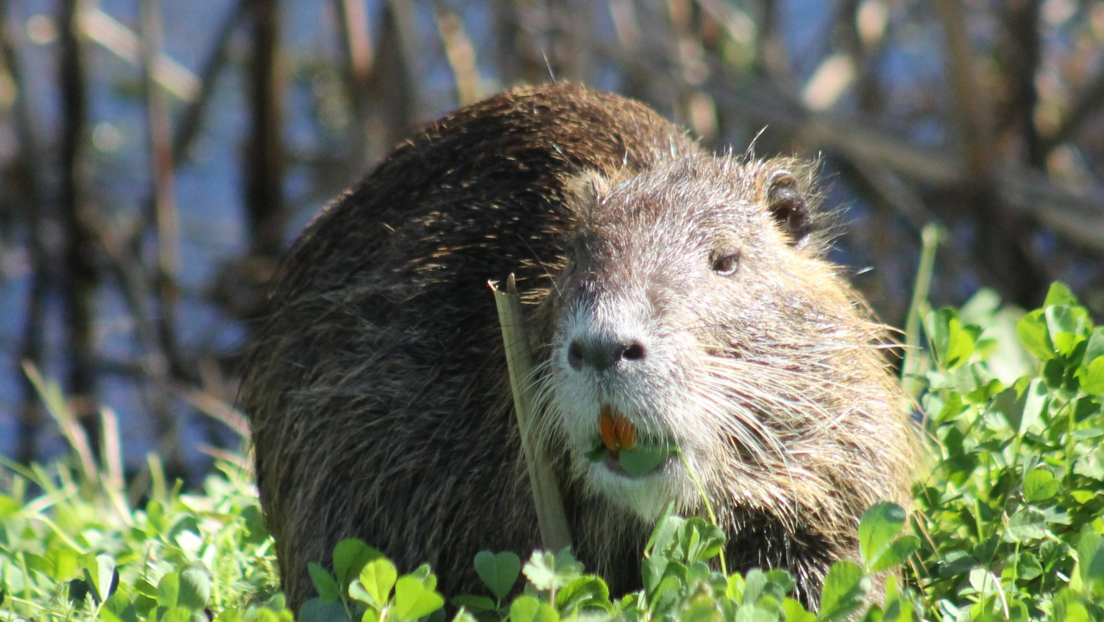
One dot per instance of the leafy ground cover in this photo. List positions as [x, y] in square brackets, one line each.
[1006, 522]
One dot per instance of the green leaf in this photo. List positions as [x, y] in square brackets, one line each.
[1033, 334]
[1024, 410]
[314, 610]
[547, 571]
[699, 540]
[1090, 550]
[1027, 524]
[736, 587]
[642, 459]
[324, 582]
[751, 613]
[61, 563]
[1090, 465]
[541, 570]
[1069, 608]
[100, 574]
[528, 609]
[499, 572]
[377, 578]
[898, 608]
[168, 590]
[754, 583]
[782, 579]
[474, 604]
[1040, 485]
[983, 581]
[1066, 326]
[844, 590]
[195, 588]
[1022, 566]
[350, 556]
[1059, 294]
[586, 592]
[414, 600]
[952, 343]
[975, 383]
[1091, 376]
[897, 553]
[878, 526]
[1095, 346]
[795, 612]
[177, 614]
[155, 519]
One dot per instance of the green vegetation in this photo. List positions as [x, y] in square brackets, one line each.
[1006, 523]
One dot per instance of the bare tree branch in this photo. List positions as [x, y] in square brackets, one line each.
[165, 218]
[460, 54]
[264, 155]
[121, 41]
[80, 273]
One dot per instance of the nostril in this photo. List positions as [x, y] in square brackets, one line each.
[634, 352]
[575, 355]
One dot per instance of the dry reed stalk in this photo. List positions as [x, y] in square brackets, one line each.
[555, 533]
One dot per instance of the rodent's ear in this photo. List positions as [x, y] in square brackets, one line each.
[788, 205]
[585, 190]
[587, 186]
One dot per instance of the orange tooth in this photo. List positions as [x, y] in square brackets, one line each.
[617, 431]
[609, 429]
[626, 433]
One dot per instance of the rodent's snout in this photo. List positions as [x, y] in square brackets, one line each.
[602, 351]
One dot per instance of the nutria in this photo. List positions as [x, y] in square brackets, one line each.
[688, 292]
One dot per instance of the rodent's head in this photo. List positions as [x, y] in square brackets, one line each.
[695, 306]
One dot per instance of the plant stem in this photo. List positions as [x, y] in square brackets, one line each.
[705, 499]
[930, 237]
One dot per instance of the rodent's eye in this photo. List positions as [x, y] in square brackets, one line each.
[725, 261]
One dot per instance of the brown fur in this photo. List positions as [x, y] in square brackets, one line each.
[377, 386]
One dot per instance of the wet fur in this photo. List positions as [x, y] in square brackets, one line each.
[377, 387]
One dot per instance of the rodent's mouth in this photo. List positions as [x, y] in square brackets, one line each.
[621, 451]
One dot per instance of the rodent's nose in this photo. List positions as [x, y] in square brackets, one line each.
[601, 353]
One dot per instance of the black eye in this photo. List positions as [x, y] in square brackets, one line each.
[725, 261]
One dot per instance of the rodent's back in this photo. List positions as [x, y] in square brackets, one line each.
[378, 365]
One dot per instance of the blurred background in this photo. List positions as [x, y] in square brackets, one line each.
[156, 156]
